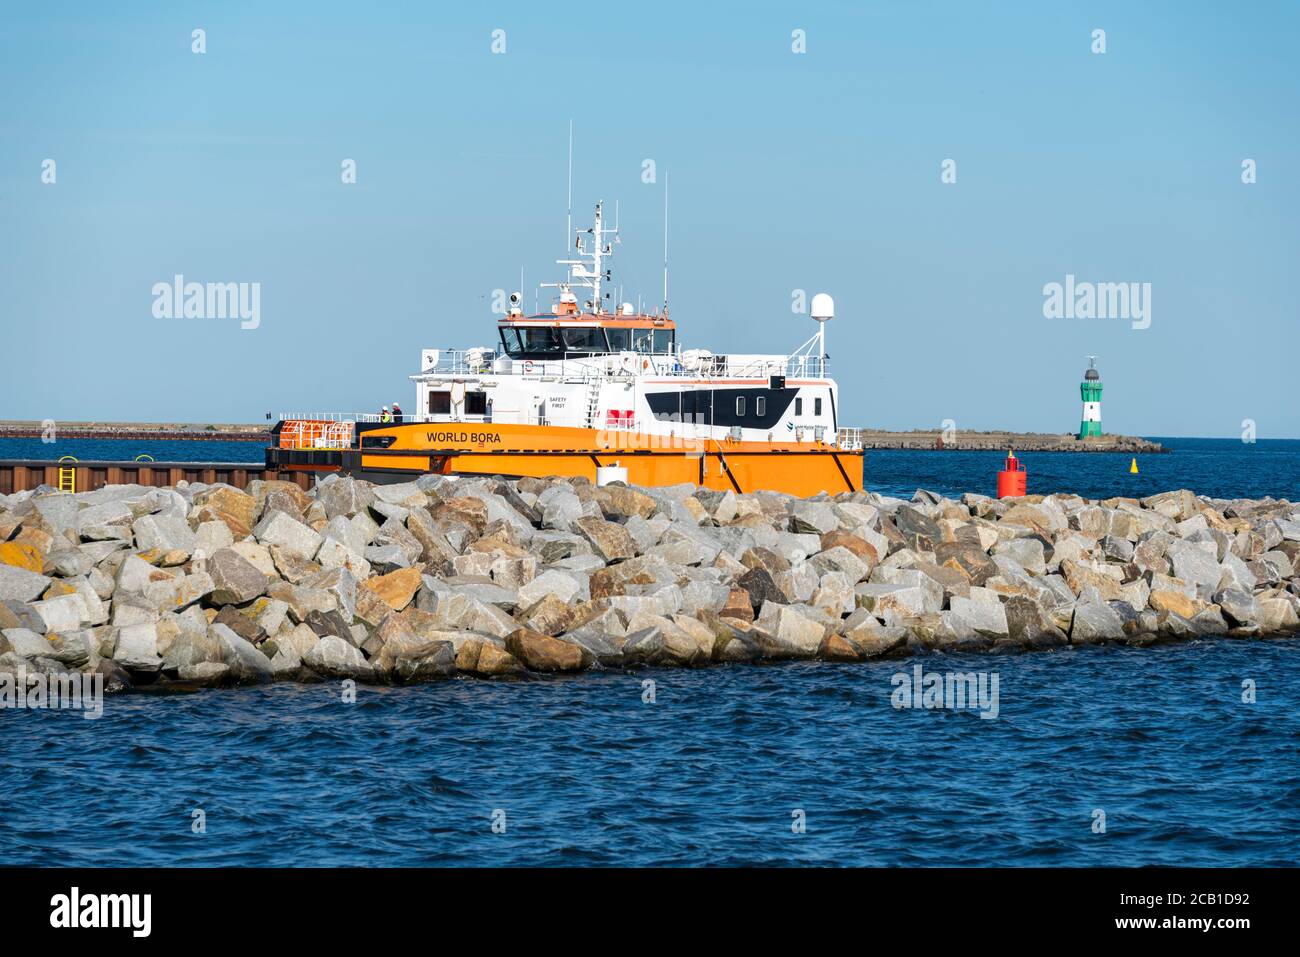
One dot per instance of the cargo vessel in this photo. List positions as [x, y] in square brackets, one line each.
[601, 390]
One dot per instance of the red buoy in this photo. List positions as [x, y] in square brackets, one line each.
[1011, 480]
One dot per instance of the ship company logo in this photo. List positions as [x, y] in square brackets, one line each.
[179, 299]
[1098, 300]
[74, 910]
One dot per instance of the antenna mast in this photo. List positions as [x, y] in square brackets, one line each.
[568, 226]
[665, 244]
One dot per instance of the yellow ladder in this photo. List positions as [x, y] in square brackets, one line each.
[67, 474]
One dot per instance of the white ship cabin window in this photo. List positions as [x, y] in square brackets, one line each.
[476, 403]
[817, 406]
[652, 341]
[552, 342]
[556, 342]
[740, 405]
[439, 403]
[760, 406]
[798, 406]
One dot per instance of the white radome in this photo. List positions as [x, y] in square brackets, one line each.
[823, 307]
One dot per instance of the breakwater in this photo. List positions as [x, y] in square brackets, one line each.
[924, 439]
[202, 585]
[169, 431]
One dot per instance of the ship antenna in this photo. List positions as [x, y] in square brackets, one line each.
[665, 244]
[568, 229]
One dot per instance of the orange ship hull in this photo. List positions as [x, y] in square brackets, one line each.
[399, 452]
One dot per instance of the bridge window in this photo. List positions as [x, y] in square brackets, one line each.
[620, 340]
[584, 340]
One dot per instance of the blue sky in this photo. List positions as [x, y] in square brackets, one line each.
[818, 171]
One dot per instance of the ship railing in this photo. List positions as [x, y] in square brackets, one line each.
[849, 439]
[572, 367]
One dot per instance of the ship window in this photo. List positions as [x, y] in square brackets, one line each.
[663, 341]
[439, 403]
[510, 339]
[620, 340]
[760, 406]
[476, 403]
[798, 406]
[532, 343]
[740, 405]
[642, 340]
[584, 340]
[817, 406]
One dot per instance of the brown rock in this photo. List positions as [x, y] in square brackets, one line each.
[859, 546]
[540, 652]
[235, 579]
[611, 541]
[623, 502]
[972, 562]
[766, 559]
[465, 510]
[1079, 576]
[261, 488]
[485, 657]
[291, 566]
[760, 586]
[738, 606]
[838, 648]
[1180, 603]
[241, 624]
[396, 588]
[37, 538]
[548, 616]
[236, 509]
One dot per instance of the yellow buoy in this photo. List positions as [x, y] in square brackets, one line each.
[1134, 467]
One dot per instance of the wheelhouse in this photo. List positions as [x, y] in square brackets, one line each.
[552, 337]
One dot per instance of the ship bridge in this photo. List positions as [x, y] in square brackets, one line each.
[574, 334]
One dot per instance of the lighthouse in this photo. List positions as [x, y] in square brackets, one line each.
[1090, 390]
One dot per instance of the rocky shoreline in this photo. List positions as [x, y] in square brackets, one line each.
[205, 585]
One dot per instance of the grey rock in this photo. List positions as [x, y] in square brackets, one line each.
[277, 528]
[166, 534]
[1196, 563]
[332, 657]
[1095, 622]
[137, 648]
[1239, 607]
[18, 584]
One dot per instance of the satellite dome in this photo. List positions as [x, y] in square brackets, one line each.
[823, 307]
[1092, 375]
